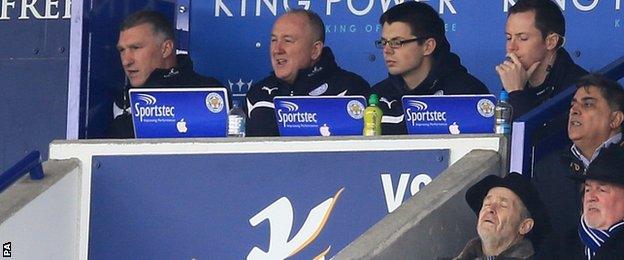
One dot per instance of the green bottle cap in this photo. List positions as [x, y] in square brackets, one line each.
[373, 99]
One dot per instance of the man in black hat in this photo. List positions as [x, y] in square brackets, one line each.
[601, 228]
[511, 218]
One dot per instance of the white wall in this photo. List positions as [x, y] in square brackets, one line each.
[47, 226]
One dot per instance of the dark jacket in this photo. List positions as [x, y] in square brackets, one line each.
[613, 249]
[447, 77]
[473, 250]
[563, 74]
[180, 75]
[562, 197]
[325, 78]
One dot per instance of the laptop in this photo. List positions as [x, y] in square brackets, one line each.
[452, 114]
[319, 115]
[179, 112]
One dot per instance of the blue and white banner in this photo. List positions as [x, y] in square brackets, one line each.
[231, 39]
[320, 116]
[461, 114]
[248, 206]
[179, 112]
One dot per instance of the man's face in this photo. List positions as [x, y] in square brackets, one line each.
[603, 204]
[499, 218]
[293, 46]
[589, 118]
[406, 60]
[141, 52]
[524, 39]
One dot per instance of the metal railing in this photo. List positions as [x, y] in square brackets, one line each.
[30, 163]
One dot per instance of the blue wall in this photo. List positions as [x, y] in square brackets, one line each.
[34, 60]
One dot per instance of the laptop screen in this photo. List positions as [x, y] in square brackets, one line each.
[319, 115]
[179, 112]
[452, 114]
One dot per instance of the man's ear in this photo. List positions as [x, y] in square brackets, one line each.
[167, 48]
[525, 226]
[317, 49]
[551, 41]
[429, 45]
[616, 119]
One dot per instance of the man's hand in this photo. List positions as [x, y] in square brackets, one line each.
[512, 75]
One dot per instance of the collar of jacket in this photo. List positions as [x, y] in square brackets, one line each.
[445, 63]
[159, 77]
[577, 167]
[474, 250]
[556, 74]
[310, 78]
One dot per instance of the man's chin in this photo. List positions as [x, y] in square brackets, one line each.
[137, 84]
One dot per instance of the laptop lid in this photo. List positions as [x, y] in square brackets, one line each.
[452, 114]
[319, 115]
[179, 112]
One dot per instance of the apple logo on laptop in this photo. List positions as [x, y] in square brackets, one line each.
[181, 126]
[454, 128]
[325, 130]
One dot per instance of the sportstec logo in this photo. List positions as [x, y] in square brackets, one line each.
[288, 113]
[151, 109]
[417, 113]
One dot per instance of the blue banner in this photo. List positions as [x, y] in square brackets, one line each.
[248, 206]
[167, 113]
[461, 114]
[230, 39]
[320, 116]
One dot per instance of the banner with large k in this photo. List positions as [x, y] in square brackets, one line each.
[248, 206]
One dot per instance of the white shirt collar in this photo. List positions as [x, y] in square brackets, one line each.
[577, 152]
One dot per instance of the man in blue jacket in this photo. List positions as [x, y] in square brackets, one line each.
[302, 66]
[419, 61]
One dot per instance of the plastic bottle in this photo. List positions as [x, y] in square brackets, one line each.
[236, 121]
[503, 113]
[372, 117]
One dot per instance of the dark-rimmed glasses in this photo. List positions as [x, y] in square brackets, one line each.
[394, 44]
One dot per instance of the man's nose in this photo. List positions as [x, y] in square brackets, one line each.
[387, 49]
[574, 109]
[512, 46]
[278, 47]
[126, 59]
[590, 196]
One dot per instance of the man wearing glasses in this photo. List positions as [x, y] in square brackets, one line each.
[302, 66]
[419, 62]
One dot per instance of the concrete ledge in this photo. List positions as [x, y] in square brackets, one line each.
[436, 222]
[25, 190]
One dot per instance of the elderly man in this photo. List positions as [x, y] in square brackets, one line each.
[419, 61]
[601, 228]
[537, 65]
[148, 56]
[302, 66]
[595, 121]
[511, 218]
